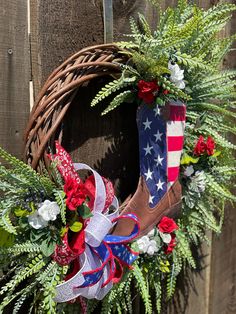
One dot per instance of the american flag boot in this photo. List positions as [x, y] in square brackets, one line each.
[161, 137]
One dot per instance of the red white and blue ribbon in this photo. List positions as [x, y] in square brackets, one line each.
[102, 261]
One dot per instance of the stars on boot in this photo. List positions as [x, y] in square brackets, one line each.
[158, 136]
[148, 149]
[147, 124]
[159, 185]
[158, 160]
[157, 111]
[148, 174]
[151, 199]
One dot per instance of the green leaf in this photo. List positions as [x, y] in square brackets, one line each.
[76, 226]
[186, 160]
[47, 247]
[159, 101]
[84, 211]
[216, 153]
[6, 238]
[19, 212]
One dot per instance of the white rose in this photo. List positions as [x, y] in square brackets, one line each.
[176, 75]
[36, 221]
[152, 248]
[189, 171]
[166, 237]
[143, 244]
[49, 210]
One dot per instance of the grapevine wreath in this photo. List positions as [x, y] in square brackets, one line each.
[66, 242]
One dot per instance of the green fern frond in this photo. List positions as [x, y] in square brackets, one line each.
[184, 249]
[212, 107]
[17, 249]
[60, 199]
[217, 189]
[108, 89]
[142, 286]
[118, 100]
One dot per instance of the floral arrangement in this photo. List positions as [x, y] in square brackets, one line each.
[180, 60]
[50, 234]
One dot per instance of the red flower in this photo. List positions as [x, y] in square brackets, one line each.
[167, 225]
[75, 193]
[200, 147]
[146, 90]
[210, 146]
[171, 245]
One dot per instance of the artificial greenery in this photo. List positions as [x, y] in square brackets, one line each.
[189, 36]
[186, 35]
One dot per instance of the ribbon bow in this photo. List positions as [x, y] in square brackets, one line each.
[101, 263]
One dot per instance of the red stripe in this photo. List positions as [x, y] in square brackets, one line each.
[175, 143]
[177, 113]
[173, 173]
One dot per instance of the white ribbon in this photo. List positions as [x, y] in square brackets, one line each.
[97, 228]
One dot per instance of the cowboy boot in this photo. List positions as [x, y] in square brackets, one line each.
[161, 137]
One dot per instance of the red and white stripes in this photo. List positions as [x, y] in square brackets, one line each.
[175, 139]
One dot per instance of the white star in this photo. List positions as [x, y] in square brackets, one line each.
[148, 149]
[157, 111]
[158, 160]
[160, 185]
[151, 199]
[116, 247]
[148, 174]
[158, 135]
[147, 124]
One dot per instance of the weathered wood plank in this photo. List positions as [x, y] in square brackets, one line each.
[14, 74]
[223, 262]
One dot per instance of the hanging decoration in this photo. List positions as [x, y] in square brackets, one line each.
[66, 243]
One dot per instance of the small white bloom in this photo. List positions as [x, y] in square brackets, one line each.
[200, 181]
[166, 237]
[143, 244]
[49, 210]
[176, 75]
[152, 248]
[36, 221]
[151, 233]
[189, 171]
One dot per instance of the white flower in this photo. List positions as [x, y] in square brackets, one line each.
[189, 171]
[166, 237]
[152, 248]
[143, 244]
[176, 75]
[36, 221]
[199, 180]
[151, 233]
[49, 210]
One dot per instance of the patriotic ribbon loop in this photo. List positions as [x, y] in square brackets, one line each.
[101, 263]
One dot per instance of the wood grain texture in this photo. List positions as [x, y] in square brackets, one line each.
[223, 262]
[14, 74]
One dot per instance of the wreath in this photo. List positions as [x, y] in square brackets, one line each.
[65, 240]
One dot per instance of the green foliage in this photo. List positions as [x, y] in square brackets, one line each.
[60, 199]
[142, 286]
[110, 88]
[186, 35]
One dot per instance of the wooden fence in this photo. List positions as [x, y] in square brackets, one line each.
[35, 37]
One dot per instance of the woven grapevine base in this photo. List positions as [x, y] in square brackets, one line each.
[57, 94]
